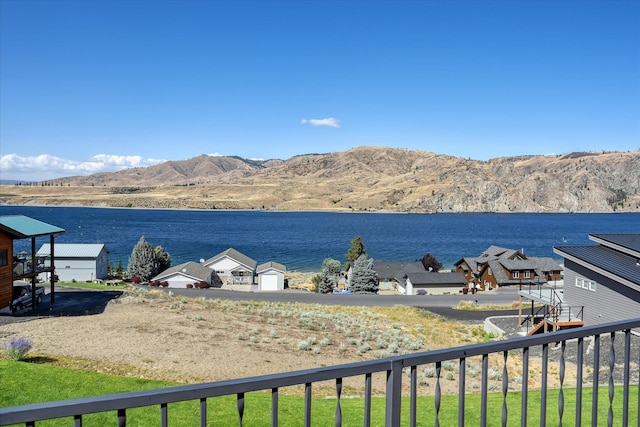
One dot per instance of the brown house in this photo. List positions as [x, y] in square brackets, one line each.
[503, 267]
[25, 265]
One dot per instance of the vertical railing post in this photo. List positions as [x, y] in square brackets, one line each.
[596, 380]
[625, 389]
[203, 412]
[367, 400]
[543, 385]
[122, 417]
[274, 406]
[461, 390]
[307, 405]
[413, 398]
[484, 390]
[164, 415]
[579, 367]
[394, 394]
[525, 387]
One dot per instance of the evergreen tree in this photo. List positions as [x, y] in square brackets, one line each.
[356, 250]
[119, 269]
[364, 279]
[143, 262]
[163, 258]
[431, 263]
[329, 275]
[110, 269]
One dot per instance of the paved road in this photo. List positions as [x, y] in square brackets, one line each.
[500, 296]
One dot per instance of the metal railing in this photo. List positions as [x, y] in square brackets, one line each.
[394, 369]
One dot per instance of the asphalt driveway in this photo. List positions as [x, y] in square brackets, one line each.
[68, 302]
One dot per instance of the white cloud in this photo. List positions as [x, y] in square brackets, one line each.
[45, 166]
[328, 122]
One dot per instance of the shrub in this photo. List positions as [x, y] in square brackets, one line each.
[421, 292]
[189, 286]
[135, 279]
[16, 348]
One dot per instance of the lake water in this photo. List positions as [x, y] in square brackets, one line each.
[302, 240]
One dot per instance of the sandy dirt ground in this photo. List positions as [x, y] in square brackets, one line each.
[178, 341]
[186, 340]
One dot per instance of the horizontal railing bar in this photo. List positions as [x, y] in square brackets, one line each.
[516, 343]
[72, 407]
[88, 405]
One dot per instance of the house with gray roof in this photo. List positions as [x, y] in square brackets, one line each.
[498, 266]
[76, 262]
[232, 268]
[605, 278]
[183, 275]
[392, 274]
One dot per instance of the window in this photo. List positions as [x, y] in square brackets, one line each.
[4, 257]
[527, 274]
[516, 274]
[585, 284]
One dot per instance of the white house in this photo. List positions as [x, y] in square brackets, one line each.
[188, 273]
[232, 268]
[78, 262]
[432, 283]
[271, 276]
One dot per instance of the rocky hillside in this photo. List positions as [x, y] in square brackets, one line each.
[361, 179]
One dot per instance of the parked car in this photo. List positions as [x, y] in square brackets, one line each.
[341, 291]
[22, 296]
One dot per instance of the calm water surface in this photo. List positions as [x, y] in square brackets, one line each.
[302, 240]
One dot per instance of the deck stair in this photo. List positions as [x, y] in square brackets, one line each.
[554, 314]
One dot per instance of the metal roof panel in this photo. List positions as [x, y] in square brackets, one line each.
[609, 260]
[72, 250]
[22, 226]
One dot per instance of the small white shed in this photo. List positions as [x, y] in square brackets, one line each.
[78, 262]
[271, 276]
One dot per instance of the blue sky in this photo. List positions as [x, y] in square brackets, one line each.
[89, 86]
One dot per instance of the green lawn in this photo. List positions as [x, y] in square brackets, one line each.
[24, 383]
[94, 286]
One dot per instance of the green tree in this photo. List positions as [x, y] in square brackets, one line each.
[364, 279]
[356, 250]
[431, 263]
[143, 262]
[329, 275]
[110, 269]
[163, 258]
[119, 269]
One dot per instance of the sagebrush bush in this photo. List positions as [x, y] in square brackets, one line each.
[17, 348]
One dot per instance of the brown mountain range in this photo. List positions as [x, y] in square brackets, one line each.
[361, 179]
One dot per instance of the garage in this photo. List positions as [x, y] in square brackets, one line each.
[271, 276]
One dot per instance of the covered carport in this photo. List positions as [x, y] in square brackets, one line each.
[25, 265]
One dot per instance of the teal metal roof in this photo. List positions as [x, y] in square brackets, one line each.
[21, 227]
